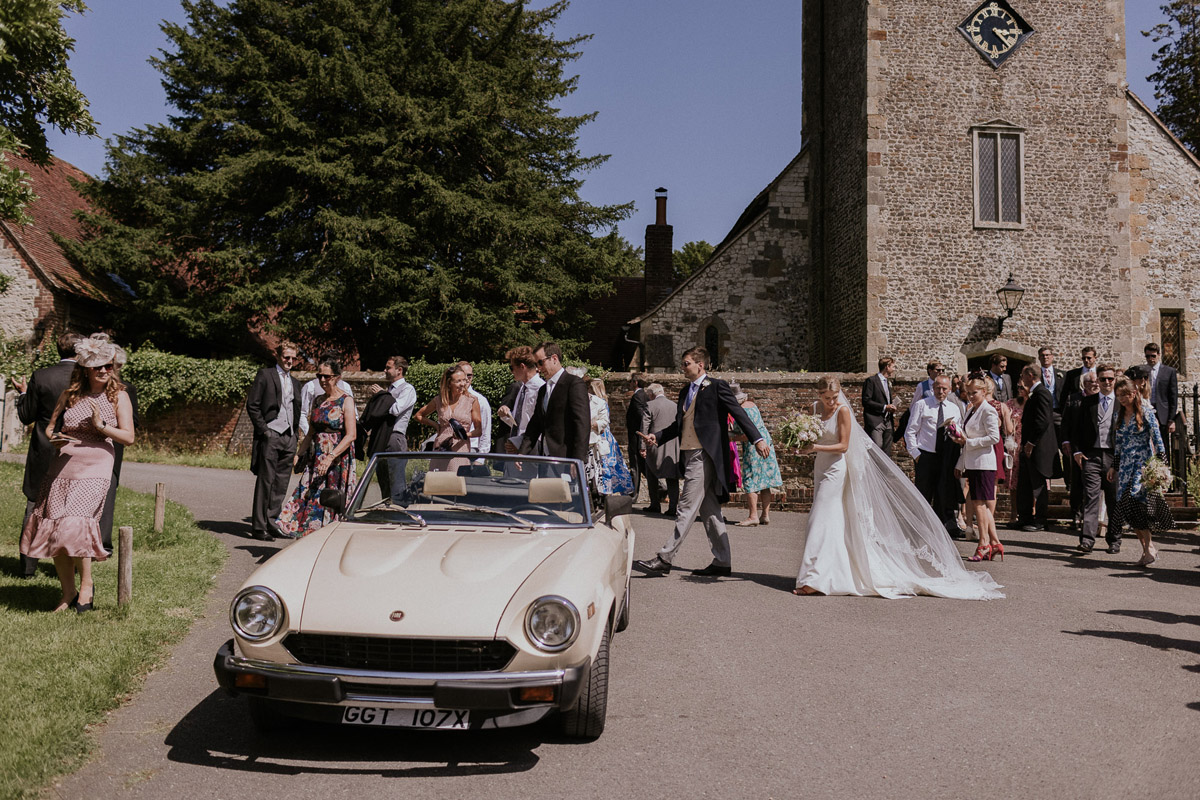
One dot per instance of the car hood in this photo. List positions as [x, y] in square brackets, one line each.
[449, 582]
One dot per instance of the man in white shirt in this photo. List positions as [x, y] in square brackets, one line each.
[387, 422]
[310, 391]
[483, 442]
[524, 372]
[926, 441]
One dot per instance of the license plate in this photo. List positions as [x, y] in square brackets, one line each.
[440, 718]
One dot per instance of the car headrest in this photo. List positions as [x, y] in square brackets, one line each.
[444, 484]
[549, 490]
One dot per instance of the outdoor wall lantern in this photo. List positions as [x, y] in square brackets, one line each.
[1010, 297]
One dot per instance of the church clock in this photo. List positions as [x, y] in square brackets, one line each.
[996, 30]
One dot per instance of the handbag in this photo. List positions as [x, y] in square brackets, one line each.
[304, 461]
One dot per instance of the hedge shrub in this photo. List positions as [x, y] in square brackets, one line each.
[164, 379]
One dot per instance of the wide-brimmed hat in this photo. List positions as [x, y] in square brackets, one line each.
[97, 350]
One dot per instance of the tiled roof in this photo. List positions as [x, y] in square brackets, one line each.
[52, 212]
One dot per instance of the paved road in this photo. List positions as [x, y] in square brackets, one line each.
[1081, 684]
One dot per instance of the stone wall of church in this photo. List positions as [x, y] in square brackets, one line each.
[19, 303]
[1165, 231]
[933, 275]
[835, 82]
[753, 290]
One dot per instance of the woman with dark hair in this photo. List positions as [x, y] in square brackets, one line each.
[458, 418]
[91, 414]
[1138, 439]
[326, 454]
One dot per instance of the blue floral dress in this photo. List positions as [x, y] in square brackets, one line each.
[759, 473]
[302, 513]
[1133, 449]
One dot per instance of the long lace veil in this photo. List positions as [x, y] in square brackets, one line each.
[910, 550]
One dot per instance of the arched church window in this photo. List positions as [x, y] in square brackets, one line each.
[712, 343]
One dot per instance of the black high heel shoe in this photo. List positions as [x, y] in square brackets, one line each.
[82, 608]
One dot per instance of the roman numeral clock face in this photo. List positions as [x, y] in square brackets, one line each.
[996, 30]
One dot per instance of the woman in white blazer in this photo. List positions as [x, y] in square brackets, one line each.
[978, 436]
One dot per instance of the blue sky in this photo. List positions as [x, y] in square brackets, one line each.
[699, 96]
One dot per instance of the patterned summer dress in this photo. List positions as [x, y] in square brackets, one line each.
[66, 520]
[445, 438]
[302, 513]
[759, 473]
[1135, 506]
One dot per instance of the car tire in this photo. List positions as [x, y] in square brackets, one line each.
[586, 719]
[623, 617]
[266, 716]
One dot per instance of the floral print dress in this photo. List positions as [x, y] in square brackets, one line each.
[759, 473]
[302, 513]
[1135, 506]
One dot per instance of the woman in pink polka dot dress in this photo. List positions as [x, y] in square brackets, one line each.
[94, 412]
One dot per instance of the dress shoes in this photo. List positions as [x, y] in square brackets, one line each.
[653, 509]
[655, 566]
[1115, 547]
[262, 536]
[713, 570]
[956, 533]
[1032, 528]
[670, 512]
[1087, 547]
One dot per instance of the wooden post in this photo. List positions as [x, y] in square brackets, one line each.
[125, 565]
[160, 506]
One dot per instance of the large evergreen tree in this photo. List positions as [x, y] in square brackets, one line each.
[1177, 79]
[381, 175]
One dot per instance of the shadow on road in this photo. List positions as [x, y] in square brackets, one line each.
[1165, 617]
[1121, 566]
[1148, 639]
[228, 527]
[30, 596]
[218, 733]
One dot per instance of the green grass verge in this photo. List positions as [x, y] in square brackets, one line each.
[62, 672]
[148, 454]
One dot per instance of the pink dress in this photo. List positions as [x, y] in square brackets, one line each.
[460, 411]
[66, 520]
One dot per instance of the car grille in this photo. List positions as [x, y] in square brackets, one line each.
[387, 654]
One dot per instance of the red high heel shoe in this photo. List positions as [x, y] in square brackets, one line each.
[997, 548]
[982, 553]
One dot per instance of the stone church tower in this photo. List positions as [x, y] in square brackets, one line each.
[946, 145]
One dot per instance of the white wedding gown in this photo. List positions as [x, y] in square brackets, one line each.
[870, 532]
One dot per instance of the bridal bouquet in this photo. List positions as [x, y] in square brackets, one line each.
[1156, 476]
[799, 430]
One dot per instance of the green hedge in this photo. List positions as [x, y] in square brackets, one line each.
[17, 360]
[164, 379]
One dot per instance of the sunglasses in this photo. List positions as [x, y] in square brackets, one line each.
[322, 377]
[1106, 380]
[107, 367]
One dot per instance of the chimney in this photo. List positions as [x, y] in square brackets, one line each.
[659, 253]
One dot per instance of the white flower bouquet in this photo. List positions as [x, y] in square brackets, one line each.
[798, 430]
[1156, 476]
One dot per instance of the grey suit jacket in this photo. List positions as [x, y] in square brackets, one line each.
[662, 460]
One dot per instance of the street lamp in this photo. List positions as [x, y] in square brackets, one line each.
[1010, 297]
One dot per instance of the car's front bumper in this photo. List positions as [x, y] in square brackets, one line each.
[494, 693]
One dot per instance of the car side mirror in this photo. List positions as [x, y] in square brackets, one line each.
[617, 505]
[333, 499]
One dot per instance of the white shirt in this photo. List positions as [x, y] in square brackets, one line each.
[485, 422]
[308, 393]
[1154, 382]
[551, 382]
[522, 411]
[406, 399]
[921, 433]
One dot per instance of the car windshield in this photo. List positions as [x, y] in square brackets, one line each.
[491, 490]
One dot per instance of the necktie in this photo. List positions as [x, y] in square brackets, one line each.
[517, 406]
[1047, 377]
[285, 400]
[1153, 386]
[1103, 405]
[547, 387]
[691, 396]
[940, 436]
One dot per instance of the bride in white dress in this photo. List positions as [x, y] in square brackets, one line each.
[870, 532]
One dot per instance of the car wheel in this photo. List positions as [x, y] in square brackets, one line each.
[586, 719]
[623, 617]
[266, 716]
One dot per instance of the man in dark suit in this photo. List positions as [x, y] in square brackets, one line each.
[1071, 410]
[562, 419]
[35, 406]
[635, 422]
[1074, 379]
[273, 406]
[998, 372]
[1164, 392]
[1039, 448]
[704, 461]
[879, 410]
[1093, 435]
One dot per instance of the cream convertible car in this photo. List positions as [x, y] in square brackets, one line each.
[462, 596]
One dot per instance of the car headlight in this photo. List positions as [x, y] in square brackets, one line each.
[256, 613]
[552, 623]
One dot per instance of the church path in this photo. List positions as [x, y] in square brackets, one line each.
[1082, 683]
